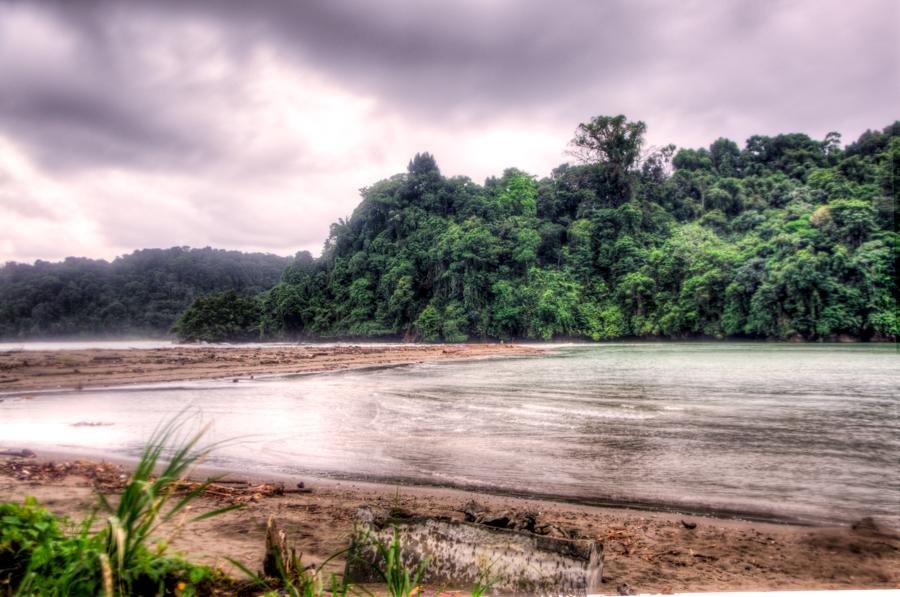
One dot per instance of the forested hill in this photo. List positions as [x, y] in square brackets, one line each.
[787, 237]
[140, 294]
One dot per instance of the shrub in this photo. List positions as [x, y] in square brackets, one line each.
[38, 558]
[224, 317]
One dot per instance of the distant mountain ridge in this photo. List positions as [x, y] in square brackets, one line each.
[137, 294]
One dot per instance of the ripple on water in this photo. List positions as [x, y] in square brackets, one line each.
[810, 432]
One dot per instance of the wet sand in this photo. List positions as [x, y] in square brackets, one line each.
[650, 552]
[24, 371]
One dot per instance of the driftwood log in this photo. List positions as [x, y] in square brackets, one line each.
[23, 453]
[281, 559]
[462, 553]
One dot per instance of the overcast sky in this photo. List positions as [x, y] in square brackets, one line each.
[252, 125]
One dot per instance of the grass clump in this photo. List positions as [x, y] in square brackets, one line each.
[401, 580]
[38, 556]
[298, 580]
[45, 555]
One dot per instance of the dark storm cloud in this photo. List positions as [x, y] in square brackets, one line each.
[222, 113]
[473, 60]
[438, 56]
[79, 96]
[66, 127]
[433, 59]
[469, 61]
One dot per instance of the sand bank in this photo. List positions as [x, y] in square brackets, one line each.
[34, 370]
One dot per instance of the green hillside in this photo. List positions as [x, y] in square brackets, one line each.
[788, 237]
[137, 294]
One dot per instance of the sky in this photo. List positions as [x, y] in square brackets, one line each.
[253, 125]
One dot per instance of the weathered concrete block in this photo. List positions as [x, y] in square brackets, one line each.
[462, 552]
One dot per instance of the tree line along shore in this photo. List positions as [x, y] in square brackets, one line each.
[787, 237]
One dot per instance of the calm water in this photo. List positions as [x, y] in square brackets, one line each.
[153, 344]
[801, 431]
[84, 344]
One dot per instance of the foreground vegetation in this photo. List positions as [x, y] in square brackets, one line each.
[789, 237]
[43, 555]
[39, 556]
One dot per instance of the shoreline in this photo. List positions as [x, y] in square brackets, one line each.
[352, 358]
[49, 370]
[651, 551]
[204, 471]
[638, 506]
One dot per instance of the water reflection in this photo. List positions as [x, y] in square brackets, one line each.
[804, 431]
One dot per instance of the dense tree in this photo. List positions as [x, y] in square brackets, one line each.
[613, 146]
[610, 140]
[785, 237]
[220, 317]
[137, 294]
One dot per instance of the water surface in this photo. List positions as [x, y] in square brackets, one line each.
[809, 432]
[125, 344]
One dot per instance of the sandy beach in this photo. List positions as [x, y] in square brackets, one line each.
[650, 552]
[34, 370]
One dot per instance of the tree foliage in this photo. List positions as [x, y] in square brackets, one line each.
[786, 237]
[137, 294]
[220, 317]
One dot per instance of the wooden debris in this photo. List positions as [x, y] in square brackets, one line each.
[101, 475]
[23, 453]
[108, 477]
[280, 560]
[516, 521]
[240, 492]
[520, 561]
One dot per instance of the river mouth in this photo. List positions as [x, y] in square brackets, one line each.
[788, 433]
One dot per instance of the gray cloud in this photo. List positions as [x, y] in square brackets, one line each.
[253, 124]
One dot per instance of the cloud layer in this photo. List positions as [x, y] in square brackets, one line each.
[252, 125]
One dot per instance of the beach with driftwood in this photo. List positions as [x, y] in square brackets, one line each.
[644, 551]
